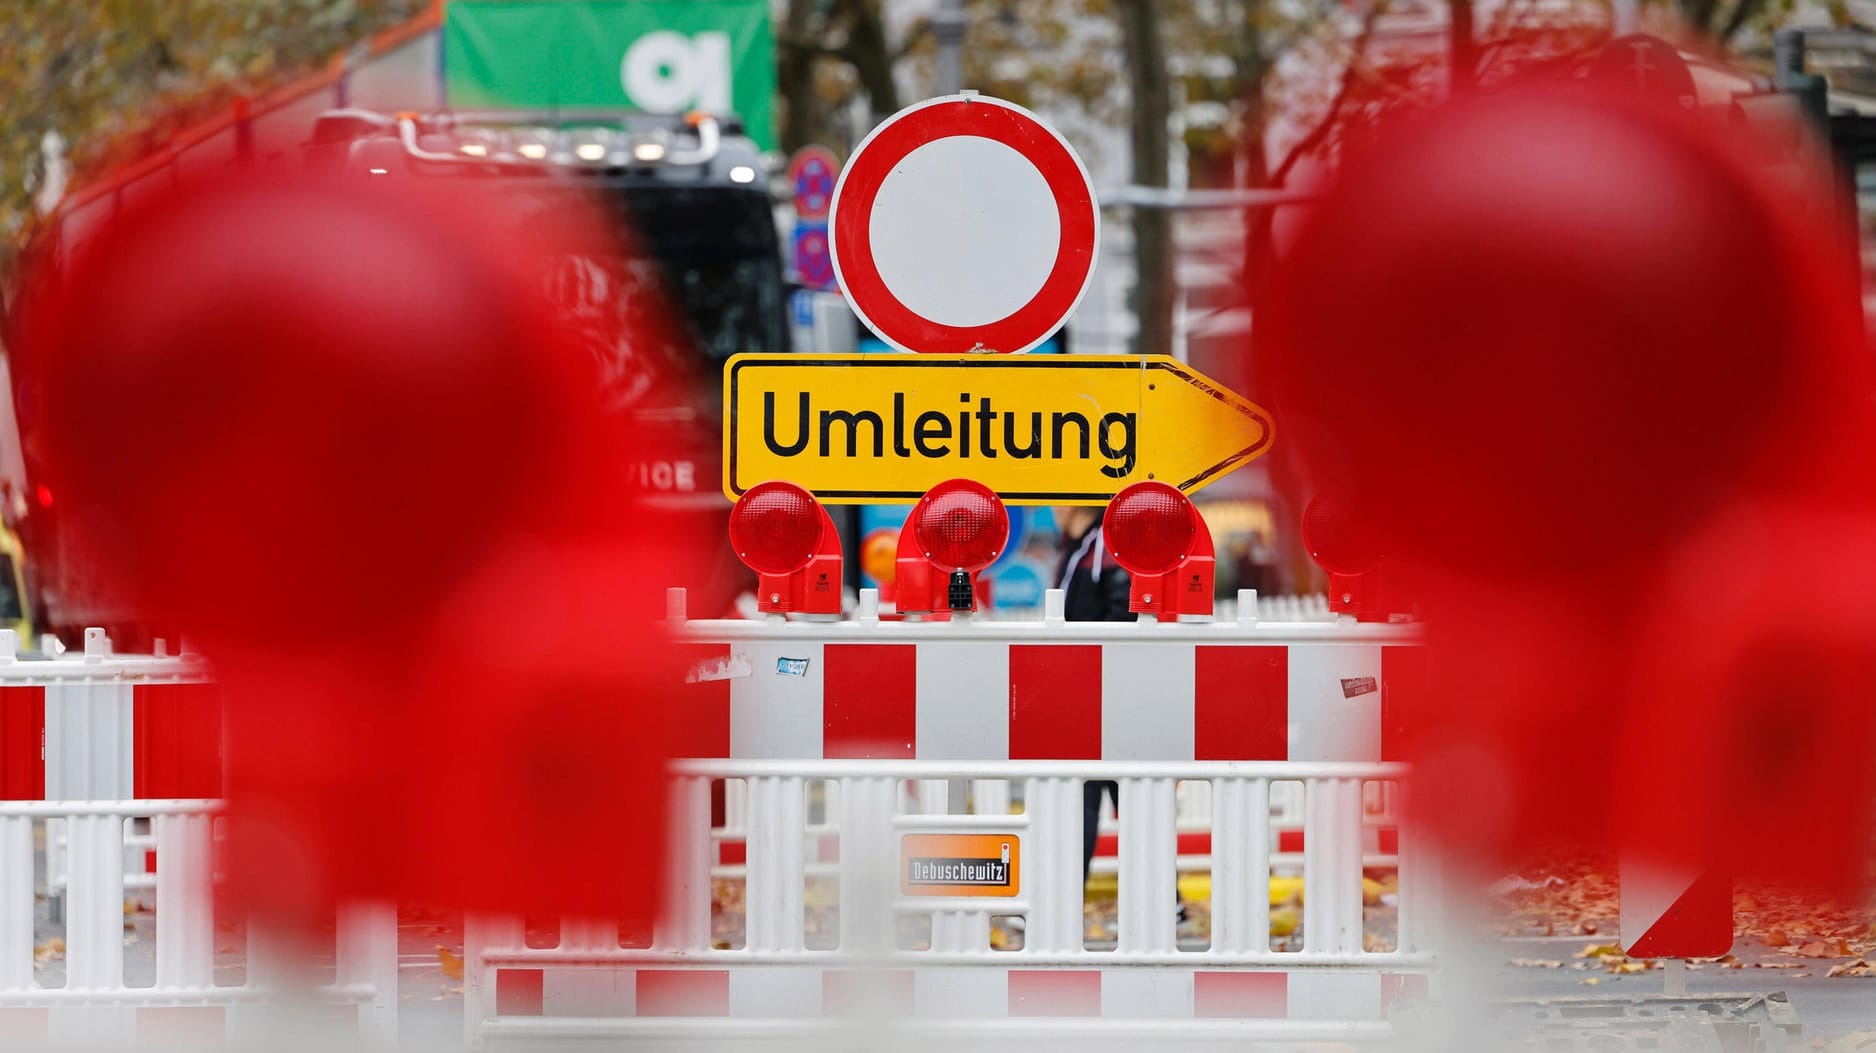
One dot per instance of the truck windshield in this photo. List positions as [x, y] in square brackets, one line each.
[698, 267]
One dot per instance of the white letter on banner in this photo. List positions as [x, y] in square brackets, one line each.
[665, 72]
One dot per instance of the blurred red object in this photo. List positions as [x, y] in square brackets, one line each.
[1749, 736]
[296, 407]
[1539, 332]
[1541, 338]
[340, 433]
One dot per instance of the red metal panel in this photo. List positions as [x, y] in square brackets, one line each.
[1241, 701]
[1401, 985]
[177, 741]
[22, 743]
[1241, 995]
[683, 992]
[1055, 702]
[704, 730]
[518, 992]
[1053, 992]
[869, 701]
[1403, 692]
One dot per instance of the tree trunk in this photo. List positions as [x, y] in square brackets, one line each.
[1464, 52]
[871, 56]
[1152, 154]
[794, 75]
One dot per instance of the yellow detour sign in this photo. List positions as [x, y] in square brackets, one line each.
[960, 865]
[1037, 429]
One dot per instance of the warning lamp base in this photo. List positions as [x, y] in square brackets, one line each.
[1185, 591]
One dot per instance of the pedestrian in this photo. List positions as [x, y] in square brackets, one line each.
[1095, 589]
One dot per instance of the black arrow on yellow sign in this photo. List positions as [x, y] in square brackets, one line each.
[1037, 429]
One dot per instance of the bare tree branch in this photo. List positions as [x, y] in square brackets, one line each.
[1356, 60]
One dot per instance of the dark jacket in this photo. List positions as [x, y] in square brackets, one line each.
[1097, 586]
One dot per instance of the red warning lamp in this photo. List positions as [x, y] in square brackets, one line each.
[958, 528]
[1158, 535]
[783, 534]
[1344, 538]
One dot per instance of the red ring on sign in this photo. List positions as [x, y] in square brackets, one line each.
[1068, 184]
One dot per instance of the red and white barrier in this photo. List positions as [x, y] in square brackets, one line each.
[886, 717]
[92, 746]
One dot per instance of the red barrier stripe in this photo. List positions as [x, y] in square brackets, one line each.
[1240, 995]
[22, 743]
[869, 701]
[683, 992]
[1055, 702]
[733, 853]
[1289, 840]
[176, 741]
[1055, 992]
[25, 1025]
[1189, 844]
[705, 730]
[1403, 695]
[1389, 838]
[518, 992]
[1401, 985]
[1241, 697]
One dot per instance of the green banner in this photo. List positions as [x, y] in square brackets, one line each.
[663, 56]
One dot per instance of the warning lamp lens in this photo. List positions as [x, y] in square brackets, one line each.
[776, 527]
[962, 525]
[1340, 536]
[1150, 528]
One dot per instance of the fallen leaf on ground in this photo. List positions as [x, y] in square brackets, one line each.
[450, 961]
[1777, 938]
[1600, 950]
[50, 950]
[1859, 967]
[1590, 981]
[1822, 949]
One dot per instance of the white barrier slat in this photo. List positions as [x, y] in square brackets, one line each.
[961, 991]
[868, 861]
[1335, 701]
[1147, 701]
[1148, 844]
[367, 955]
[1240, 865]
[776, 710]
[1051, 876]
[1159, 993]
[775, 992]
[16, 901]
[1332, 833]
[969, 682]
[185, 934]
[684, 922]
[481, 933]
[94, 918]
[773, 897]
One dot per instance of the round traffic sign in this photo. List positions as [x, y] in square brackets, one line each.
[812, 173]
[964, 224]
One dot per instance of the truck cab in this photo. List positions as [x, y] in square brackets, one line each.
[690, 233]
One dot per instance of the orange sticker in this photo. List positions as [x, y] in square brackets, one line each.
[960, 865]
